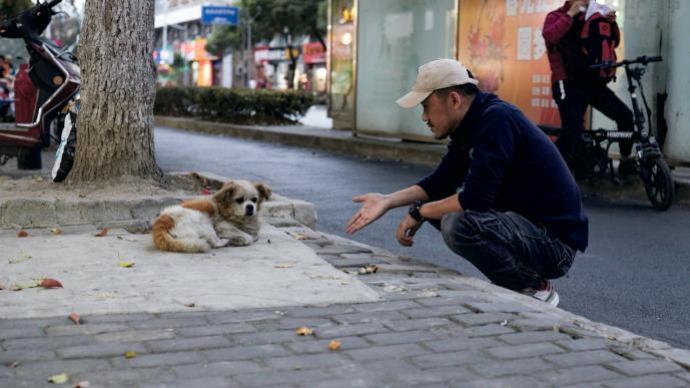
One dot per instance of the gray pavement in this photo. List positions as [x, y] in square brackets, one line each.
[431, 327]
[407, 324]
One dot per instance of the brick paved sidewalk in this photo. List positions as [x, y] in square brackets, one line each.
[432, 328]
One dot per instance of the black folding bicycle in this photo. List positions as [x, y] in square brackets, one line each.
[653, 169]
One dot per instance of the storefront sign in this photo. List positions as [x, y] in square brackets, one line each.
[313, 53]
[219, 15]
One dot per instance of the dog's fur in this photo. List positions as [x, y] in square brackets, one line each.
[229, 217]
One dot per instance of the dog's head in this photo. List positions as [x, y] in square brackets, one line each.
[239, 199]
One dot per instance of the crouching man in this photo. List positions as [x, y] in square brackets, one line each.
[502, 196]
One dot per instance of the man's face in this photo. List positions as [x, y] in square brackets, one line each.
[441, 114]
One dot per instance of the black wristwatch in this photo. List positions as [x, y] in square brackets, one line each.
[414, 211]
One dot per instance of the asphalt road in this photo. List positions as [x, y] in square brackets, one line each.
[634, 275]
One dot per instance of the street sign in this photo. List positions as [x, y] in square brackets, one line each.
[219, 15]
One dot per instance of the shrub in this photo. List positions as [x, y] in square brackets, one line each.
[237, 105]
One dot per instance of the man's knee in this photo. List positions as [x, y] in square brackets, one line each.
[457, 227]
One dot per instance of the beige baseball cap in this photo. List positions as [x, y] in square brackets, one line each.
[437, 74]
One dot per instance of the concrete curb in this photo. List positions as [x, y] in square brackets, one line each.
[132, 214]
[387, 149]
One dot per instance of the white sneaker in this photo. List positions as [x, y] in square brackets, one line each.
[545, 294]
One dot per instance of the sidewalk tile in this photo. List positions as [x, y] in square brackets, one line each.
[101, 350]
[320, 346]
[581, 374]
[666, 381]
[309, 361]
[282, 378]
[222, 368]
[244, 353]
[643, 367]
[385, 352]
[194, 343]
[512, 367]
[585, 358]
[154, 360]
[448, 359]
[201, 331]
[524, 350]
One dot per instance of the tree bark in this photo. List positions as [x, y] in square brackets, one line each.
[115, 122]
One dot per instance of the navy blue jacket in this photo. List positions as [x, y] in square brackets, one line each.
[497, 159]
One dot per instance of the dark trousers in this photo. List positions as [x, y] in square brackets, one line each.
[572, 99]
[507, 248]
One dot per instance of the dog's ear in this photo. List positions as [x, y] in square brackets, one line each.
[224, 195]
[263, 189]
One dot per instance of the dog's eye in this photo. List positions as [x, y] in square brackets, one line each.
[254, 199]
[239, 200]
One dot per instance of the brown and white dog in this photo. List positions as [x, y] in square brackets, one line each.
[228, 217]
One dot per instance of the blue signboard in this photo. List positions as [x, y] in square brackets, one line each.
[219, 15]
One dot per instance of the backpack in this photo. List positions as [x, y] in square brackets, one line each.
[598, 40]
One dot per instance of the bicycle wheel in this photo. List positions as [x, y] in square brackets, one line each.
[658, 182]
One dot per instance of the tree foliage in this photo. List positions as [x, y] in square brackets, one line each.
[301, 17]
[9, 8]
[224, 39]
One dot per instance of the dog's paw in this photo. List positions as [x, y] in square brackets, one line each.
[221, 243]
[240, 241]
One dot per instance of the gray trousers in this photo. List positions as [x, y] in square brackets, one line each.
[507, 248]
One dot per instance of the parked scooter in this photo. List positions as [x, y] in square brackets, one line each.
[54, 72]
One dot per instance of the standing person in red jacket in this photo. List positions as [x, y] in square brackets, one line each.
[575, 86]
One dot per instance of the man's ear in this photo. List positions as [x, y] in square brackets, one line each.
[226, 192]
[263, 189]
[456, 99]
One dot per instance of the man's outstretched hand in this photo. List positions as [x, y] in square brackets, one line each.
[374, 205]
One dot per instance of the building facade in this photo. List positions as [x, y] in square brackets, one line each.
[377, 45]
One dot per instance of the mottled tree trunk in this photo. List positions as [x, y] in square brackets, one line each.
[115, 123]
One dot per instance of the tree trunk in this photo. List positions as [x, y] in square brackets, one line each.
[115, 123]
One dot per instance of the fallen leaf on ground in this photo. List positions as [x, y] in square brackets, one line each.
[286, 265]
[126, 264]
[334, 345]
[22, 233]
[190, 305]
[59, 379]
[504, 322]
[82, 195]
[370, 268]
[304, 331]
[205, 191]
[38, 178]
[82, 384]
[130, 354]
[301, 237]
[14, 364]
[50, 283]
[101, 233]
[74, 317]
[56, 231]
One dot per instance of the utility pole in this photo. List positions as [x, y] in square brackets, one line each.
[248, 58]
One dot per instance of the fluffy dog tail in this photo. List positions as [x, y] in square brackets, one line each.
[166, 242]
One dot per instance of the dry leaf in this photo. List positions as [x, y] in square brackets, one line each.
[59, 379]
[74, 317]
[126, 264]
[22, 233]
[286, 265]
[130, 354]
[56, 231]
[2, 287]
[32, 284]
[334, 345]
[304, 331]
[38, 178]
[190, 305]
[205, 191]
[504, 322]
[370, 268]
[101, 233]
[15, 364]
[82, 195]
[50, 283]
[82, 384]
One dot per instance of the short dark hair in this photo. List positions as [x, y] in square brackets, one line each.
[467, 90]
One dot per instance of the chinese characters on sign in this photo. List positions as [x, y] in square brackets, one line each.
[502, 44]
